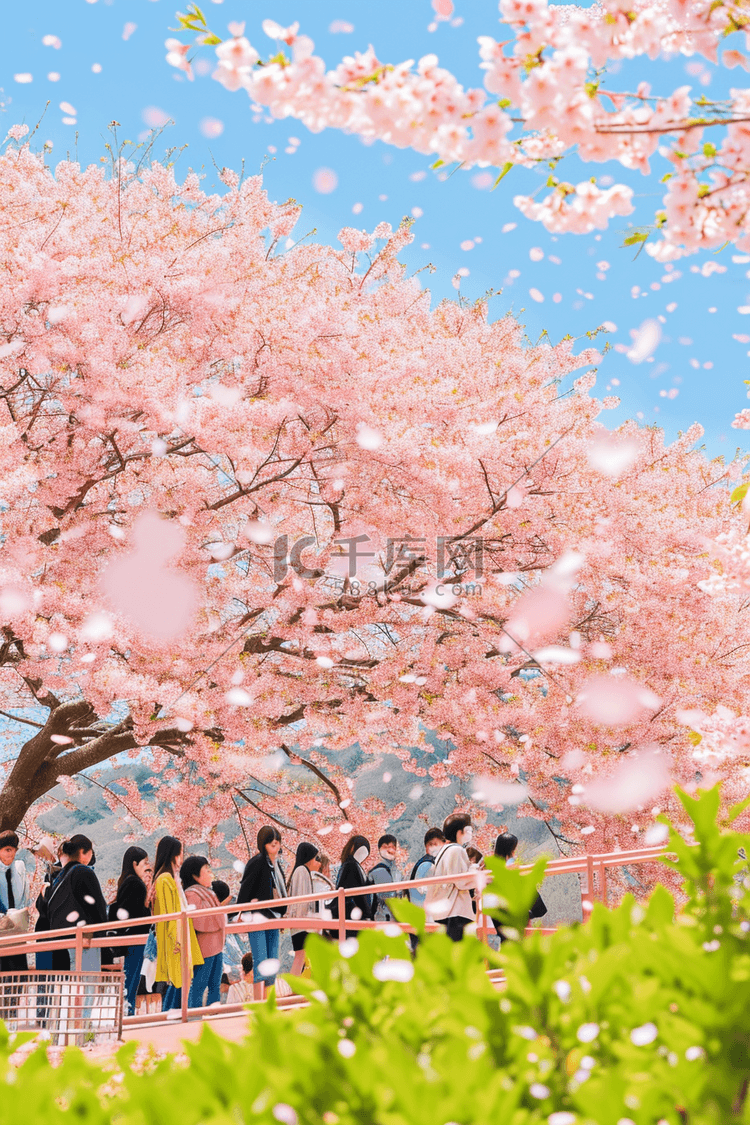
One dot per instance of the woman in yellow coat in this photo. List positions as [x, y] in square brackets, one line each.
[169, 898]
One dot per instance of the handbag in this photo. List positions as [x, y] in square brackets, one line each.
[149, 950]
[15, 922]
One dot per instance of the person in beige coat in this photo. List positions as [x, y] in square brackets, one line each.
[307, 861]
[449, 903]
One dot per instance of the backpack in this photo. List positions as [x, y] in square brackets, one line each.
[426, 858]
[374, 869]
[61, 902]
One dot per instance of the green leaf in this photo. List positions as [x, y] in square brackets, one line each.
[197, 12]
[737, 809]
[437, 164]
[506, 168]
[635, 238]
[408, 912]
[709, 149]
[739, 493]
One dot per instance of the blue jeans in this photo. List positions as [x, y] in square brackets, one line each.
[133, 966]
[264, 945]
[206, 976]
[91, 962]
[172, 998]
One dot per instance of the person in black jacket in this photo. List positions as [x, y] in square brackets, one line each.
[262, 881]
[505, 847]
[130, 902]
[50, 854]
[352, 874]
[75, 898]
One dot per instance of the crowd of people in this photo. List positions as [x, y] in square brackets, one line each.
[72, 896]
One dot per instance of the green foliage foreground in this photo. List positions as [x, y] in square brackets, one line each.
[641, 1015]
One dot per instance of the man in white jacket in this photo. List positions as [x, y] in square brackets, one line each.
[14, 893]
[450, 900]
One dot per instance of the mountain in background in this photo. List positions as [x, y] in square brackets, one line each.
[426, 805]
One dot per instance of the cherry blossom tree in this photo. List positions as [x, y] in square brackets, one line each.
[261, 502]
[546, 95]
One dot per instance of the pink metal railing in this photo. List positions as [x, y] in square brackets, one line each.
[84, 937]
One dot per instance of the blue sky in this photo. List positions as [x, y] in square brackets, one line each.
[111, 66]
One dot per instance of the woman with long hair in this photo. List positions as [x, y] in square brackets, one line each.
[131, 902]
[263, 880]
[197, 876]
[168, 897]
[306, 861]
[49, 853]
[75, 898]
[352, 874]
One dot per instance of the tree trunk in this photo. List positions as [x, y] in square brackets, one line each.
[42, 761]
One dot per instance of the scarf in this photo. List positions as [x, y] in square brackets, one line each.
[278, 877]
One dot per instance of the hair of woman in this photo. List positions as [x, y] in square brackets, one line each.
[168, 848]
[191, 869]
[133, 855]
[73, 847]
[267, 835]
[352, 845]
[505, 845]
[305, 852]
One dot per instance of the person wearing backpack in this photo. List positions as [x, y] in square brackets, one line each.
[383, 872]
[75, 898]
[423, 868]
[449, 903]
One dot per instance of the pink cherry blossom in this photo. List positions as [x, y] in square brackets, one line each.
[177, 53]
[228, 386]
[564, 103]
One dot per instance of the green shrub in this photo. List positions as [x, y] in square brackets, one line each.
[641, 1015]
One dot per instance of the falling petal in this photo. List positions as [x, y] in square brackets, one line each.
[643, 1035]
[490, 791]
[615, 700]
[325, 181]
[632, 783]
[645, 341]
[393, 969]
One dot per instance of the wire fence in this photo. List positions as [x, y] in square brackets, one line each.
[66, 1007]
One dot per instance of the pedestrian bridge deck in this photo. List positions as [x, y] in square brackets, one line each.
[169, 1029]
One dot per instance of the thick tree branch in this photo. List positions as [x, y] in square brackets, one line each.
[293, 757]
